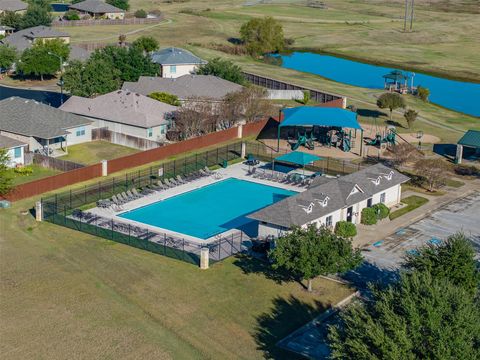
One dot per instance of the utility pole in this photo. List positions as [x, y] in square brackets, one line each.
[405, 18]
[409, 13]
[411, 16]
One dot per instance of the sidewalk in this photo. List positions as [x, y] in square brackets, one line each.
[373, 233]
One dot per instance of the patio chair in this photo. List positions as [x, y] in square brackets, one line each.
[180, 180]
[135, 192]
[207, 170]
[126, 197]
[161, 185]
[116, 200]
[132, 195]
[169, 183]
[203, 173]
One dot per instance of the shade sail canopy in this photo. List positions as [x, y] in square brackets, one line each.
[318, 116]
[298, 157]
[470, 139]
[396, 75]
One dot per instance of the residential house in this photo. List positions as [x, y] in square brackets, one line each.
[25, 38]
[6, 30]
[187, 87]
[98, 9]
[15, 150]
[43, 128]
[329, 200]
[125, 112]
[15, 6]
[175, 62]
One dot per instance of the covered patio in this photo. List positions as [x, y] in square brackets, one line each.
[471, 140]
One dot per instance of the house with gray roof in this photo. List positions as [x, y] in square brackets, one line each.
[330, 200]
[186, 87]
[43, 128]
[15, 150]
[25, 38]
[125, 112]
[16, 6]
[6, 30]
[175, 62]
[98, 9]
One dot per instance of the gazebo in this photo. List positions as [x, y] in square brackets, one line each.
[297, 158]
[470, 139]
[319, 117]
[394, 80]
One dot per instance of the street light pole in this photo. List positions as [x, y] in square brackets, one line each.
[60, 83]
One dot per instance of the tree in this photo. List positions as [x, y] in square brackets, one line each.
[71, 15]
[141, 14]
[308, 253]
[404, 152]
[225, 69]
[390, 101]
[36, 15]
[166, 98]
[410, 115]
[306, 97]
[262, 36]
[434, 171]
[38, 61]
[121, 4]
[453, 260]
[249, 104]
[95, 77]
[420, 317]
[423, 93]
[196, 118]
[6, 180]
[146, 44]
[12, 19]
[8, 55]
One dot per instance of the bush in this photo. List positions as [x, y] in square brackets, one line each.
[141, 14]
[423, 93]
[466, 170]
[381, 210]
[165, 98]
[369, 216]
[71, 15]
[25, 170]
[345, 229]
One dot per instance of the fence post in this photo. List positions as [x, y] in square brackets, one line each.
[164, 244]
[56, 208]
[129, 241]
[204, 258]
[218, 249]
[65, 214]
[217, 156]
[111, 232]
[206, 158]
[39, 210]
[174, 167]
[185, 166]
[70, 198]
[196, 161]
[104, 167]
[183, 247]
[85, 194]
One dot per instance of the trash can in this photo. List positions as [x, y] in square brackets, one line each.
[224, 164]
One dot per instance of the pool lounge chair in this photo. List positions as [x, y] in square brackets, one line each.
[169, 183]
[132, 195]
[174, 182]
[117, 201]
[203, 173]
[208, 171]
[180, 180]
[126, 197]
[135, 192]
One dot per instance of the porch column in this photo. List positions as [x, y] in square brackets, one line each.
[244, 150]
[459, 155]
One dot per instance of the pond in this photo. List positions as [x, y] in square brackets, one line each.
[60, 7]
[456, 95]
[47, 97]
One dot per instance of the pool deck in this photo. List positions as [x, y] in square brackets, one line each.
[238, 171]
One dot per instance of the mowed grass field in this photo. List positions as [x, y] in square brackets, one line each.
[95, 151]
[67, 295]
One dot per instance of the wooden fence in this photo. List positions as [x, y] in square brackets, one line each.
[92, 22]
[315, 95]
[124, 139]
[53, 163]
[93, 171]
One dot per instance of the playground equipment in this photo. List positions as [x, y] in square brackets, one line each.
[304, 140]
[340, 139]
[388, 137]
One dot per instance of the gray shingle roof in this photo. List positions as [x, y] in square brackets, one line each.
[96, 7]
[185, 87]
[30, 118]
[291, 211]
[3, 27]
[12, 5]
[8, 143]
[23, 39]
[123, 107]
[79, 53]
[176, 56]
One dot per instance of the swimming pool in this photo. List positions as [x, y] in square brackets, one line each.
[210, 210]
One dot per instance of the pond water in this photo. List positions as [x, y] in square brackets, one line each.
[60, 7]
[456, 95]
[47, 97]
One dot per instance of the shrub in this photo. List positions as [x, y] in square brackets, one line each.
[71, 15]
[423, 93]
[166, 98]
[381, 210]
[466, 170]
[140, 13]
[26, 170]
[345, 229]
[369, 216]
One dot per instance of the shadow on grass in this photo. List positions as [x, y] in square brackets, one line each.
[287, 315]
[252, 265]
[370, 113]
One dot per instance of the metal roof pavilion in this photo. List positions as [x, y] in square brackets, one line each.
[318, 116]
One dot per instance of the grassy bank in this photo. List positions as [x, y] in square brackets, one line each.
[64, 293]
[96, 151]
[412, 202]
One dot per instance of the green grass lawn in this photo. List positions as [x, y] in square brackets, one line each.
[454, 183]
[95, 151]
[38, 173]
[412, 202]
[65, 293]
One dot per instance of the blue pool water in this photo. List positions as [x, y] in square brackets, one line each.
[210, 210]
[456, 95]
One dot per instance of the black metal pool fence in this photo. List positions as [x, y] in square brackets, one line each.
[69, 208]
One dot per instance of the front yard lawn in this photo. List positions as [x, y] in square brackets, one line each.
[412, 203]
[95, 151]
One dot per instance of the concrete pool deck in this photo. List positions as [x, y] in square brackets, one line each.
[238, 171]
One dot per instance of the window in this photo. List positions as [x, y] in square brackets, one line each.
[382, 198]
[173, 69]
[328, 220]
[162, 129]
[80, 131]
[17, 152]
[149, 132]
